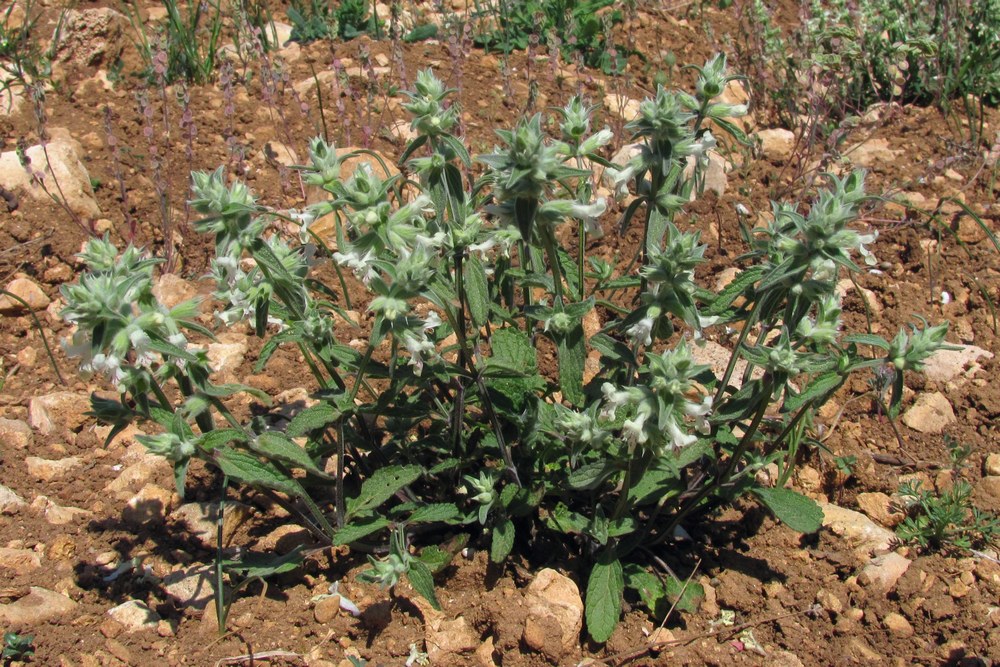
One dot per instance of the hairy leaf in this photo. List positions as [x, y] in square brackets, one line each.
[792, 508]
[503, 541]
[422, 581]
[604, 597]
[381, 486]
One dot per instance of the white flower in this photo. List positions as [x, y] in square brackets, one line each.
[641, 332]
[614, 398]
[700, 411]
[677, 437]
[634, 431]
[865, 252]
[361, 265]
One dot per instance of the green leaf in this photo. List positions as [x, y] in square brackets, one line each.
[572, 356]
[476, 290]
[170, 350]
[589, 476]
[313, 418]
[249, 469]
[259, 566]
[381, 486]
[868, 339]
[359, 529]
[604, 597]
[563, 520]
[503, 541]
[422, 581]
[658, 593]
[421, 32]
[180, 476]
[792, 508]
[613, 350]
[277, 446]
[440, 557]
[821, 386]
[219, 437]
[434, 512]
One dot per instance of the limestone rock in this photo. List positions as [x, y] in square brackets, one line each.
[135, 616]
[555, 615]
[201, 520]
[9, 501]
[191, 587]
[879, 507]
[326, 609]
[992, 464]
[931, 413]
[15, 433]
[170, 290]
[872, 153]
[776, 144]
[884, 571]
[56, 514]
[452, 637]
[20, 561]
[897, 625]
[59, 410]
[150, 506]
[715, 173]
[625, 108]
[226, 355]
[65, 167]
[91, 36]
[135, 477]
[947, 365]
[46, 470]
[28, 291]
[38, 606]
[861, 533]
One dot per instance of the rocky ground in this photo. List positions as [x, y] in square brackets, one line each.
[105, 565]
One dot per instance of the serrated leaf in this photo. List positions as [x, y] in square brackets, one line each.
[422, 580]
[433, 513]
[658, 593]
[868, 339]
[221, 436]
[564, 520]
[572, 356]
[734, 289]
[589, 476]
[249, 469]
[277, 446]
[381, 486]
[503, 541]
[795, 510]
[359, 529]
[259, 566]
[312, 418]
[438, 558]
[604, 597]
[819, 387]
[476, 290]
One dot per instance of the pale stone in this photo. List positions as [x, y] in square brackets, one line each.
[59, 410]
[326, 609]
[992, 464]
[46, 470]
[845, 286]
[284, 539]
[624, 107]
[88, 36]
[872, 153]
[931, 413]
[897, 625]
[135, 616]
[860, 532]
[280, 153]
[20, 561]
[150, 506]
[990, 486]
[555, 615]
[191, 587]
[715, 174]
[28, 291]
[454, 637]
[717, 357]
[65, 168]
[879, 507]
[829, 601]
[484, 654]
[170, 289]
[947, 365]
[56, 514]
[884, 571]
[226, 355]
[133, 478]
[784, 659]
[39, 606]
[9, 501]
[776, 144]
[15, 433]
[201, 519]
